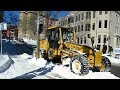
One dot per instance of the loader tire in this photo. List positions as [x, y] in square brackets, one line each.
[79, 65]
[106, 64]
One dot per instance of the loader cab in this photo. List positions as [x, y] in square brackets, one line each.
[53, 37]
[57, 35]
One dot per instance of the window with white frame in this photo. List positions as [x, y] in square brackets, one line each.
[84, 40]
[89, 15]
[106, 12]
[79, 17]
[99, 38]
[105, 24]
[81, 40]
[82, 16]
[81, 27]
[86, 15]
[100, 23]
[93, 28]
[104, 39]
[100, 12]
[94, 14]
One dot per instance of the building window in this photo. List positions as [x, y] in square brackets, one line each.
[98, 47]
[81, 40]
[70, 20]
[79, 17]
[75, 28]
[84, 40]
[76, 19]
[86, 15]
[99, 38]
[100, 12]
[93, 28]
[89, 15]
[88, 27]
[81, 27]
[93, 40]
[117, 19]
[117, 42]
[93, 14]
[105, 24]
[82, 16]
[100, 22]
[104, 40]
[106, 12]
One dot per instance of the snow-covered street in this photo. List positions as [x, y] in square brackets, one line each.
[25, 66]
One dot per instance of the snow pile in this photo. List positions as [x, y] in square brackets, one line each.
[25, 56]
[112, 59]
[27, 66]
[38, 62]
[29, 41]
[66, 73]
[5, 63]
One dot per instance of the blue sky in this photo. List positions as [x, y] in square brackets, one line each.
[16, 14]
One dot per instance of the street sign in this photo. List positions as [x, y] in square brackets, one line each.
[3, 26]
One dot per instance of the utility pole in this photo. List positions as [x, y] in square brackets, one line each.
[38, 36]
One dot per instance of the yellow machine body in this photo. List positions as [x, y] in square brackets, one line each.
[63, 49]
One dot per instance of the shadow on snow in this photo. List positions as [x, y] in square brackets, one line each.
[11, 48]
[35, 73]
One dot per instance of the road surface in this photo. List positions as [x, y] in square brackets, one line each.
[115, 69]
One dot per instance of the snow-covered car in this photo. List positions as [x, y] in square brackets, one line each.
[116, 53]
[112, 58]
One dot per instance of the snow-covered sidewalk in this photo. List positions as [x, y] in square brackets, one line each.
[5, 63]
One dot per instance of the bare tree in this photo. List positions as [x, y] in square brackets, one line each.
[30, 24]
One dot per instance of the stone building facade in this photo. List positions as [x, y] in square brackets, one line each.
[103, 28]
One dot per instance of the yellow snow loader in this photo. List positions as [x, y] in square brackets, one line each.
[61, 47]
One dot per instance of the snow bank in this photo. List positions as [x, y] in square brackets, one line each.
[38, 62]
[31, 42]
[25, 56]
[5, 63]
[66, 73]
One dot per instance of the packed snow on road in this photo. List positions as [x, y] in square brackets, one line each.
[27, 67]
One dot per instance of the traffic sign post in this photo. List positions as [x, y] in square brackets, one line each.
[3, 26]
